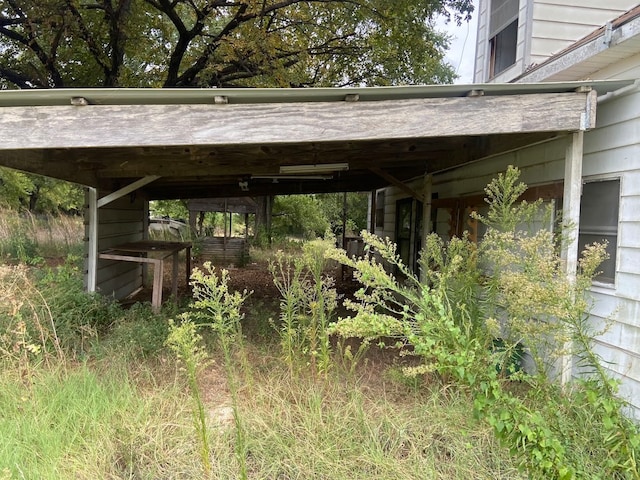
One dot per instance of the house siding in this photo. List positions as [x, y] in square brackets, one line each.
[544, 29]
[121, 221]
[559, 23]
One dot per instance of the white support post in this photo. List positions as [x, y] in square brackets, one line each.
[92, 254]
[427, 190]
[571, 221]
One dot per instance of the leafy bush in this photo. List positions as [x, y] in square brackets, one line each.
[510, 287]
[48, 312]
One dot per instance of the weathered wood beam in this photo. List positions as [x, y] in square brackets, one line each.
[570, 219]
[43, 162]
[152, 125]
[132, 187]
[394, 181]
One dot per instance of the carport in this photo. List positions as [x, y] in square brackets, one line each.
[129, 146]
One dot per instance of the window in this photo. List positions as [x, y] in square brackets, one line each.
[503, 35]
[380, 209]
[599, 208]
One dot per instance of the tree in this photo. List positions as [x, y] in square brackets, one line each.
[224, 43]
[38, 194]
[357, 207]
[299, 215]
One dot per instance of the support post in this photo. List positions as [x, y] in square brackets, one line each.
[372, 214]
[571, 220]
[92, 253]
[427, 191]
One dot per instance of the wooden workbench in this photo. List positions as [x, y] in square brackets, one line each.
[153, 252]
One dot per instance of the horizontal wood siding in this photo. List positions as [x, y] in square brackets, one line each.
[220, 251]
[559, 23]
[612, 150]
[119, 222]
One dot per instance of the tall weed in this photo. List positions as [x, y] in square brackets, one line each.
[308, 300]
[510, 290]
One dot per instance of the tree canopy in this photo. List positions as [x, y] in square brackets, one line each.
[224, 43]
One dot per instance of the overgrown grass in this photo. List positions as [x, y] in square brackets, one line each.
[301, 428]
[89, 390]
[84, 422]
[27, 238]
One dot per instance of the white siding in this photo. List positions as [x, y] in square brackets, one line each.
[392, 195]
[546, 27]
[559, 23]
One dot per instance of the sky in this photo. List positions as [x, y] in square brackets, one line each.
[463, 44]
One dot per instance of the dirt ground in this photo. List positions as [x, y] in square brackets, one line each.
[253, 277]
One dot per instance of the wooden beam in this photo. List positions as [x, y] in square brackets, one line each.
[395, 182]
[92, 253]
[100, 126]
[571, 221]
[132, 187]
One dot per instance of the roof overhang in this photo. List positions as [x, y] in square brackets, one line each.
[233, 142]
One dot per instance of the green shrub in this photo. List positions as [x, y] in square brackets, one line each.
[510, 287]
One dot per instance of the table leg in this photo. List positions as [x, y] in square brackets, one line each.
[156, 296]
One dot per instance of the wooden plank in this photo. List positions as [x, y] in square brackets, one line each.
[92, 239]
[153, 125]
[132, 187]
[397, 183]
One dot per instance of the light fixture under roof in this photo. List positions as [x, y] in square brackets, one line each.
[292, 177]
[316, 168]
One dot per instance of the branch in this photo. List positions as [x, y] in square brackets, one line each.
[85, 34]
[20, 80]
[29, 40]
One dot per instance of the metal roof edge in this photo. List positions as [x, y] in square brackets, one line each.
[184, 96]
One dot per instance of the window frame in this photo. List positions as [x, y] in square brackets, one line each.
[599, 281]
[503, 19]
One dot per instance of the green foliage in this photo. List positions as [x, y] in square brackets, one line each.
[357, 206]
[176, 209]
[308, 300]
[184, 340]
[29, 239]
[219, 309]
[38, 194]
[248, 43]
[44, 314]
[511, 286]
[299, 215]
[93, 421]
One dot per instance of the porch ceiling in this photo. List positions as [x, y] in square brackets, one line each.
[221, 143]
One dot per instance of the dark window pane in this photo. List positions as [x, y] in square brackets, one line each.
[599, 209]
[503, 48]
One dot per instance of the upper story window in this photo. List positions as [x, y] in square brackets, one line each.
[503, 35]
